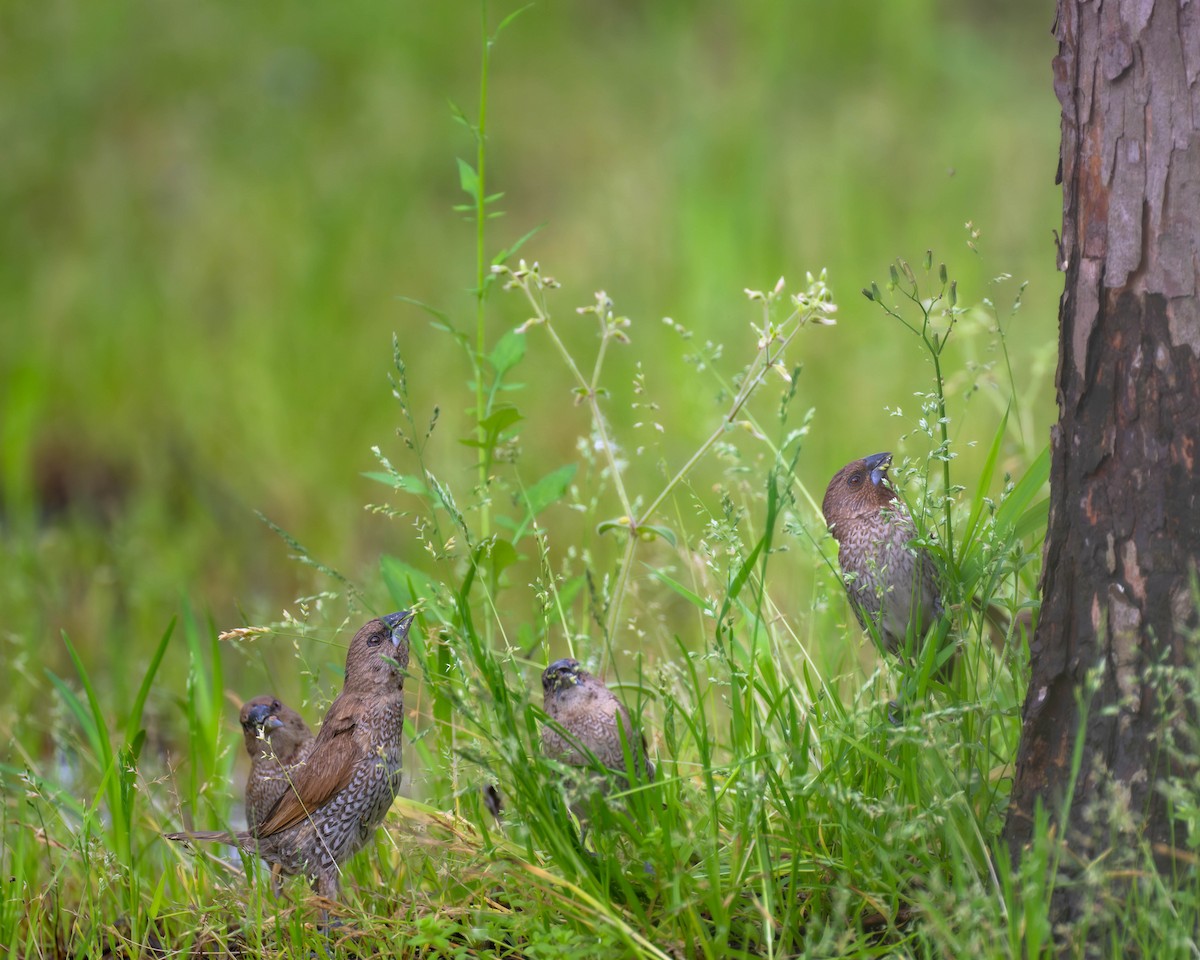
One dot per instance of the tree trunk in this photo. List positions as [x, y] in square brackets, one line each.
[1124, 534]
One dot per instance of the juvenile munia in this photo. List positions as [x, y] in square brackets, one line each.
[593, 719]
[277, 739]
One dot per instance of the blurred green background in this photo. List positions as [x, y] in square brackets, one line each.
[212, 212]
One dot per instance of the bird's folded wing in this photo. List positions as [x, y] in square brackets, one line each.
[326, 770]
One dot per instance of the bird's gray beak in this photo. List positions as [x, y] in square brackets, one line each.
[272, 723]
[260, 714]
[561, 673]
[398, 624]
[878, 465]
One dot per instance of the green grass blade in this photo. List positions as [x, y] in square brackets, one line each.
[134, 722]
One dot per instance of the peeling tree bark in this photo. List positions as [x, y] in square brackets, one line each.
[1124, 533]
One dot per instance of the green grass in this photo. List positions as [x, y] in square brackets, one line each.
[791, 815]
[220, 217]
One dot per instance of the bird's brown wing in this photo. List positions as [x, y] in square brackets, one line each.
[326, 770]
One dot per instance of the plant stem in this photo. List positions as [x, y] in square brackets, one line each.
[618, 594]
[589, 391]
[764, 361]
[759, 367]
[481, 267]
[935, 348]
[773, 343]
[945, 432]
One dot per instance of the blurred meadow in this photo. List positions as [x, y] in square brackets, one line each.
[218, 216]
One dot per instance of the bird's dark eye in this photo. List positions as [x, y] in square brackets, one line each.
[276, 706]
[855, 479]
[375, 640]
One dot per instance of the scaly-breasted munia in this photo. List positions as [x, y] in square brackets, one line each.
[891, 583]
[593, 720]
[277, 739]
[351, 774]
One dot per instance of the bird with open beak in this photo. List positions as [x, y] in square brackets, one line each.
[892, 584]
[277, 739]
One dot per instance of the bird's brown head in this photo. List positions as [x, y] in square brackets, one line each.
[378, 654]
[560, 676]
[267, 720]
[257, 713]
[859, 489]
[256, 721]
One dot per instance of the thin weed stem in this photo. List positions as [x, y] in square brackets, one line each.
[481, 266]
[815, 304]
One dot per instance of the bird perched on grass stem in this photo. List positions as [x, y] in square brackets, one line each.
[350, 775]
[891, 583]
[587, 718]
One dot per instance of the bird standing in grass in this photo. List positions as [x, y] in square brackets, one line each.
[587, 718]
[891, 583]
[350, 775]
[277, 739]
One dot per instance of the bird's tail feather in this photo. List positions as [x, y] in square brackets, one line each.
[210, 836]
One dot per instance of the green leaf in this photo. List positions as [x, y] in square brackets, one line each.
[764, 544]
[399, 481]
[457, 113]
[468, 179]
[1014, 518]
[407, 585]
[1014, 507]
[98, 727]
[508, 352]
[502, 555]
[645, 532]
[494, 424]
[546, 491]
[570, 590]
[745, 570]
[509, 19]
[1034, 520]
[441, 321]
[550, 488]
[985, 480]
[75, 705]
[133, 723]
[500, 419]
[509, 251]
[605, 525]
[653, 531]
[693, 598]
[428, 308]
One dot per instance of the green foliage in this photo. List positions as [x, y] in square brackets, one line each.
[636, 495]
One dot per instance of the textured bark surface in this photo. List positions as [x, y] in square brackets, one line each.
[1124, 530]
